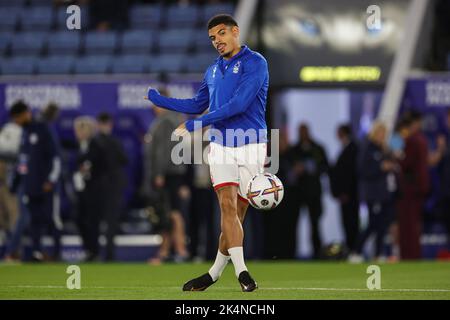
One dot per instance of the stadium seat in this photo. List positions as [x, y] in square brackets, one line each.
[37, 19]
[93, 64]
[137, 41]
[131, 64]
[5, 41]
[145, 17]
[20, 65]
[39, 2]
[100, 42]
[167, 63]
[199, 62]
[180, 16]
[210, 10]
[56, 65]
[62, 15]
[64, 42]
[30, 43]
[9, 18]
[201, 42]
[175, 40]
[12, 3]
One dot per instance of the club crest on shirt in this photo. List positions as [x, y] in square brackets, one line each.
[237, 66]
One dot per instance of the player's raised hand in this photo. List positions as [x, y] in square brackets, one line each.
[181, 131]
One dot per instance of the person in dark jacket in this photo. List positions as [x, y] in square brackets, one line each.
[445, 183]
[377, 188]
[309, 161]
[38, 171]
[115, 161]
[344, 185]
[165, 183]
[89, 182]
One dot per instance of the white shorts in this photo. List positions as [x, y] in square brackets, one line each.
[236, 165]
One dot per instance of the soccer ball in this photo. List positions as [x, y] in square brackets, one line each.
[265, 191]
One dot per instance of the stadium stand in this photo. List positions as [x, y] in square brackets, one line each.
[36, 32]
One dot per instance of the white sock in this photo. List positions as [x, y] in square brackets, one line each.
[237, 257]
[219, 265]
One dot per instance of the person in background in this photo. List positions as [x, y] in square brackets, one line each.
[165, 181]
[344, 185]
[12, 220]
[279, 244]
[49, 116]
[445, 188]
[201, 222]
[115, 161]
[89, 181]
[414, 184]
[397, 148]
[377, 188]
[309, 162]
[38, 171]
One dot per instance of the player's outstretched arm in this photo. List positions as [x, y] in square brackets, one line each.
[196, 105]
[251, 82]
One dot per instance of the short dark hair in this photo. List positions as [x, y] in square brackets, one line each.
[225, 19]
[18, 108]
[104, 117]
[345, 129]
[50, 112]
[403, 122]
[413, 115]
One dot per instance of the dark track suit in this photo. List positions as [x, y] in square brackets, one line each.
[38, 163]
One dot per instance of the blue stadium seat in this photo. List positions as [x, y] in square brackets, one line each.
[100, 42]
[175, 40]
[200, 62]
[62, 15]
[93, 64]
[145, 16]
[12, 3]
[9, 18]
[137, 41]
[202, 43]
[30, 43]
[20, 65]
[37, 18]
[64, 42]
[39, 2]
[179, 16]
[210, 10]
[56, 65]
[5, 41]
[131, 64]
[167, 63]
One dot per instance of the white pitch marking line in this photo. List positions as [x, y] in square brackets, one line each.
[337, 289]
[230, 288]
[355, 289]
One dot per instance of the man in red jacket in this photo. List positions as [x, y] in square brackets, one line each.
[414, 184]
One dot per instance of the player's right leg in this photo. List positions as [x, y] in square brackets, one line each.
[224, 175]
[231, 237]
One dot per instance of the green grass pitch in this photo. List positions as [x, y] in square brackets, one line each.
[277, 280]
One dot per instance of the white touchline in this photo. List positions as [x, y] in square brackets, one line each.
[336, 289]
[231, 288]
[355, 289]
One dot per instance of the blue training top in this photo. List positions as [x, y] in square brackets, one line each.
[235, 91]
